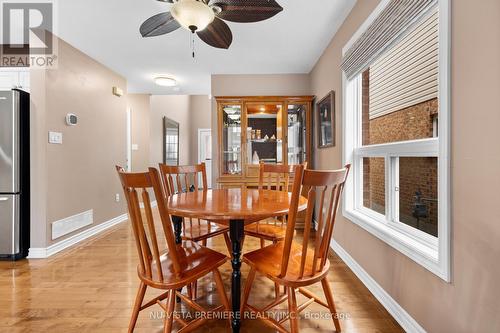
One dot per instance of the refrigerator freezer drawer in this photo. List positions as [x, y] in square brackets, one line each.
[9, 225]
[9, 141]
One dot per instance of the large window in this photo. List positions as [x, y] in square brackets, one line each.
[395, 137]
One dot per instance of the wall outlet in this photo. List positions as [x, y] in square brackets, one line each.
[55, 138]
[117, 197]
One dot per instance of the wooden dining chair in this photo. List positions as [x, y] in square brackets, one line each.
[178, 179]
[297, 265]
[272, 177]
[168, 269]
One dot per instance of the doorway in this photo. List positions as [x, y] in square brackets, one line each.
[205, 152]
[129, 140]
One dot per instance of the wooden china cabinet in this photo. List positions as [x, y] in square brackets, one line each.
[273, 129]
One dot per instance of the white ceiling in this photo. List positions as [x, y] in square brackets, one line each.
[108, 31]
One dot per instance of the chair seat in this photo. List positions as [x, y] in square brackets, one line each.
[204, 230]
[195, 261]
[267, 261]
[267, 231]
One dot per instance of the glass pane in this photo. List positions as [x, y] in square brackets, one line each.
[400, 89]
[171, 141]
[264, 137]
[297, 133]
[418, 203]
[326, 122]
[374, 183]
[231, 139]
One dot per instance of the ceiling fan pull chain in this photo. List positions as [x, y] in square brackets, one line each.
[192, 43]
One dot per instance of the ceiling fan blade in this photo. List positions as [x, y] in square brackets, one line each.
[247, 10]
[217, 34]
[159, 24]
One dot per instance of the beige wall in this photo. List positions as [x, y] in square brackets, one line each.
[79, 175]
[199, 113]
[38, 159]
[80, 172]
[261, 85]
[253, 85]
[177, 109]
[140, 107]
[470, 303]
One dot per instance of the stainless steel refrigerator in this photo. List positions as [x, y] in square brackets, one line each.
[14, 174]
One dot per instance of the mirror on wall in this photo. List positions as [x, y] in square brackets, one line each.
[170, 142]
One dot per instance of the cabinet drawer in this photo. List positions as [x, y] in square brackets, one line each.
[252, 170]
[229, 185]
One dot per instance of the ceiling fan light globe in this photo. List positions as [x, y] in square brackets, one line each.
[193, 15]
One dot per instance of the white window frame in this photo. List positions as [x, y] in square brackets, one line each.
[433, 253]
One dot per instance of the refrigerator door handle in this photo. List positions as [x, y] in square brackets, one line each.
[16, 140]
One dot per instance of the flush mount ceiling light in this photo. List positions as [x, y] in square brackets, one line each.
[205, 18]
[165, 81]
[192, 14]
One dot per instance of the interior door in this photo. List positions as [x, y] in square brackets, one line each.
[205, 152]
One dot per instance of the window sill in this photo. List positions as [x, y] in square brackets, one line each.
[420, 252]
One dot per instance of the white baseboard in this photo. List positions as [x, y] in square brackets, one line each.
[400, 315]
[45, 252]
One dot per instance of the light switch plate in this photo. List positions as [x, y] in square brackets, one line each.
[55, 138]
[135, 146]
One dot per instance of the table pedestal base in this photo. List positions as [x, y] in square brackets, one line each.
[236, 233]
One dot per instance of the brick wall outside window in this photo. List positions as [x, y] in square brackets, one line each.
[416, 173]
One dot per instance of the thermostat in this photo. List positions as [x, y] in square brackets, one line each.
[71, 119]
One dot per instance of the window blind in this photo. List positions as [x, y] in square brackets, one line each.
[386, 29]
[407, 73]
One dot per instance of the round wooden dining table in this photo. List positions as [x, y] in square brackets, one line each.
[234, 207]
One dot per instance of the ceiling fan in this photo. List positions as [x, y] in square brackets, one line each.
[205, 18]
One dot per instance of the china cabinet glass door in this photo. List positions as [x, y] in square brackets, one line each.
[231, 139]
[297, 133]
[264, 134]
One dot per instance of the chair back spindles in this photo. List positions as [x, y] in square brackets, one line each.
[275, 176]
[184, 178]
[144, 229]
[323, 188]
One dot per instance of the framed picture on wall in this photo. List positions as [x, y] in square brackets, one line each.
[326, 121]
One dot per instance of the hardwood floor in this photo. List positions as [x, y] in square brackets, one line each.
[92, 287]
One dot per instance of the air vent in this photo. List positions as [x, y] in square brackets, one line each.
[72, 223]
